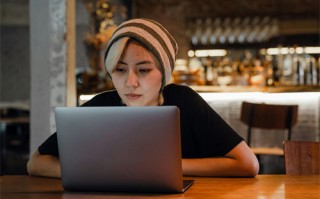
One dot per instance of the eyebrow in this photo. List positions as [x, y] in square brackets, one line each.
[139, 63]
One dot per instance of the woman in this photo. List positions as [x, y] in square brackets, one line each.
[139, 59]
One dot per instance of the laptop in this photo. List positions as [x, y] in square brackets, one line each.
[120, 149]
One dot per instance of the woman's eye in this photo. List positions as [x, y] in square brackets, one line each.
[144, 70]
[120, 70]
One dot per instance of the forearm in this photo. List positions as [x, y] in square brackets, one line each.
[215, 167]
[44, 165]
[239, 162]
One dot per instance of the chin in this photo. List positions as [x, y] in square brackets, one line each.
[133, 104]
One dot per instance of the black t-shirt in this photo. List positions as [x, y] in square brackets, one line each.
[203, 132]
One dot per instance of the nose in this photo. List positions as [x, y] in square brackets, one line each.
[132, 80]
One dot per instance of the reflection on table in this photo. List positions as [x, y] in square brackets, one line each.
[263, 186]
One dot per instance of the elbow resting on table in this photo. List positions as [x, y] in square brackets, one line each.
[32, 167]
[44, 165]
[247, 163]
[251, 169]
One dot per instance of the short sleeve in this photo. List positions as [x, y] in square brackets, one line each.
[50, 146]
[203, 132]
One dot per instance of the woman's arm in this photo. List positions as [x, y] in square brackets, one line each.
[239, 162]
[44, 165]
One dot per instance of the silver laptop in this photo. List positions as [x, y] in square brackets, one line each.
[120, 149]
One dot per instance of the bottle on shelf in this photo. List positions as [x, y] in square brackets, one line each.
[287, 72]
[318, 70]
[311, 70]
[288, 67]
[240, 75]
[224, 73]
[208, 73]
[257, 75]
[298, 70]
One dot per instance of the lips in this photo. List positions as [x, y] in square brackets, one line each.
[133, 96]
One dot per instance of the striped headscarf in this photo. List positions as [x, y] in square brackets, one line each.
[154, 37]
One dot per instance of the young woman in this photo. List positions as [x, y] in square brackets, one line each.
[139, 59]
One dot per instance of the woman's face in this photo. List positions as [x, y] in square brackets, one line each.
[136, 77]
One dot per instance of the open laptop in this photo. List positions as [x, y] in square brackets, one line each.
[120, 149]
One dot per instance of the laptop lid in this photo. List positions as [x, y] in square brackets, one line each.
[120, 149]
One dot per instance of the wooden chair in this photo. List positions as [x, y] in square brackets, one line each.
[302, 158]
[268, 116]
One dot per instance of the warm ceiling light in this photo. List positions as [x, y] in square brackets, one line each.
[299, 50]
[210, 53]
[312, 50]
[191, 53]
[273, 51]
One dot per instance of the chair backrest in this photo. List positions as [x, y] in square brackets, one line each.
[268, 116]
[302, 158]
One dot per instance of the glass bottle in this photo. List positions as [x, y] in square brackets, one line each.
[287, 70]
[298, 70]
[311, 70]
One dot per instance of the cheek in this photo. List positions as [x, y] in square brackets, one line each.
[158, 79]
[117, 81]
[155, 83]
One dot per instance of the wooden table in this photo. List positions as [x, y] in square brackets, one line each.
[263, 186]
